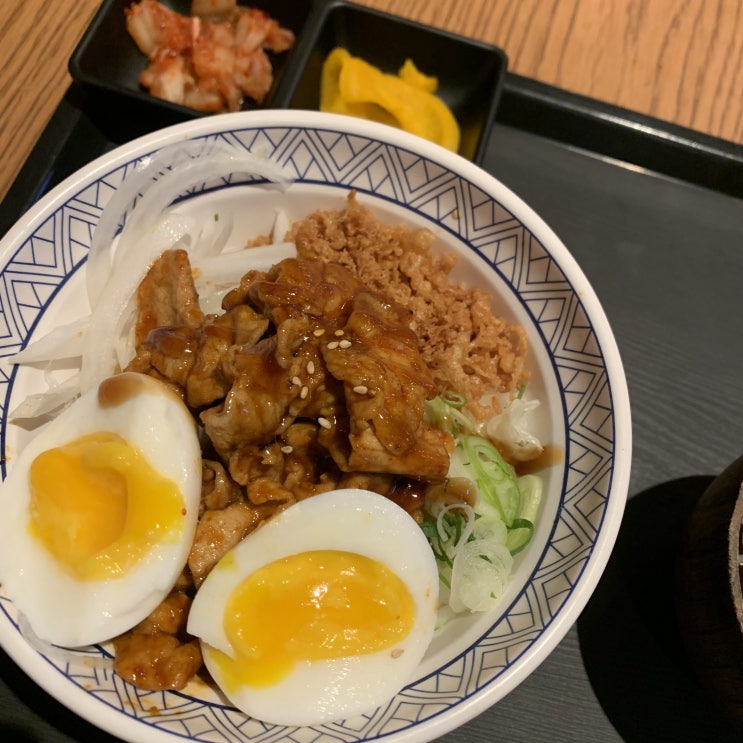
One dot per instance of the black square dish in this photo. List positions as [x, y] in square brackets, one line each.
[470, 74]
[108, 59]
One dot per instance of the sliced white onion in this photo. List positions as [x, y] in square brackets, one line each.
[136, 183]
[212, 237]
[179, 180]
[151, 170]
[511, 431]
[215, 276]
[124, 345]
[41, 404]
[116, 267]
[63, 342]
[111, 313]
[281, 226]
[227, 269]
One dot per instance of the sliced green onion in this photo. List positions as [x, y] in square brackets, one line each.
[522, 529]
[448, 414]
[448, 529]
[495, 477]
[519, 535]
[474, 545]
[455, 399]
[429, 529]
[479, 576]
[530, 487]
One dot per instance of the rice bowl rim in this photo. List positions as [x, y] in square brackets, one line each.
[68, 694]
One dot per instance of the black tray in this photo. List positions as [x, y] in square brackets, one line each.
[654, 215]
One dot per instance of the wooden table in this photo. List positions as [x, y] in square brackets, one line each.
[650, 246]
[682, 62]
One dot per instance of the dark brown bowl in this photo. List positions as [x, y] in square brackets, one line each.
[708, 591]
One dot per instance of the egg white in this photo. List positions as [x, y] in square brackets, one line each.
[72, 613]
[350, 520]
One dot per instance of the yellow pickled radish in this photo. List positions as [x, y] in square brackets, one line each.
[352, 86]
[332, 100]
[413, 76]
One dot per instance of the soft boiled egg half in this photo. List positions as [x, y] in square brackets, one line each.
[323, 612]
[99, 512]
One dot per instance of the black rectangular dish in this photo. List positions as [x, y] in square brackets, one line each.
[471, 87]
[108, 61]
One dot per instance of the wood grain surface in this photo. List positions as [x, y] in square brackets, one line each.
[678, 60]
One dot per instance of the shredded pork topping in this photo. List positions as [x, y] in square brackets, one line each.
[467, 347]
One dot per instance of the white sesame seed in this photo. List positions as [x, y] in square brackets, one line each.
[345, 344]
[296, 380]
[304, 392]
[287, 449]
[324, 422]
[317, 332]
[338, 333]
[310, 367]
[361, 389]
[332, 345]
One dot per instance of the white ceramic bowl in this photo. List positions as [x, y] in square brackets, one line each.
[505, 247]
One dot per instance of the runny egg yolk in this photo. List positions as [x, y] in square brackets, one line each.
[99, 507]
[317, 605]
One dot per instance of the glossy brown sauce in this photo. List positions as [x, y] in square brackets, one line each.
[411, 495]
[551, 455]
[174, 342]
[408, 494]
[116, 390]
[453, 490]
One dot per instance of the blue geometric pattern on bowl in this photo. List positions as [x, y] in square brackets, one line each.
[58, 248]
